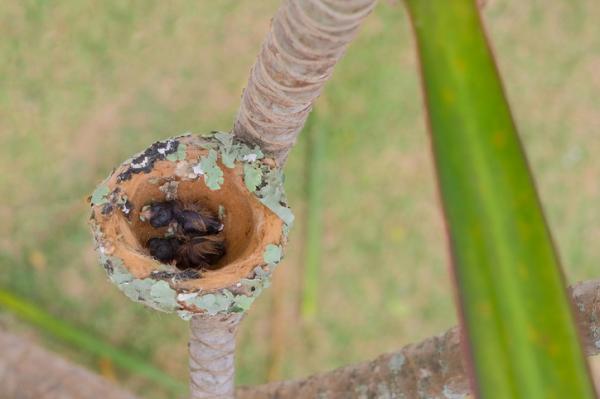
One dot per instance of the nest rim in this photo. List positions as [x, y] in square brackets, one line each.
[250, 227]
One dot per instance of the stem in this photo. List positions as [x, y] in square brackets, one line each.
[306, 40]
[29, 371]
[315, 154]
[433, 368]
[212, 351]
[373, 376]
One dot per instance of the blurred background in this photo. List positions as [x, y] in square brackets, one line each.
[85, 84]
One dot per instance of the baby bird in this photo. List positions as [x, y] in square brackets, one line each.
[163, 249]
[200, 252]
[197, 241]
[193, 219]
[159, 214]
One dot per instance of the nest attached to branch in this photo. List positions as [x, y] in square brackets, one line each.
[229, 179]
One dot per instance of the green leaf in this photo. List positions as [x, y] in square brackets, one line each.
[87, 343]
[522, 337]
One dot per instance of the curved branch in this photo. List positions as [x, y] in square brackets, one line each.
[306, 40]
[433, 368]
[28, 371]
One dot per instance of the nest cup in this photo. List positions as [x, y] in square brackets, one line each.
[229, 179]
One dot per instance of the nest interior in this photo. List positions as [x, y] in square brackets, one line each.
[249, 226]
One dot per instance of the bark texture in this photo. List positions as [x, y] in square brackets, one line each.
[306, 40]
[212, 350]
[30, 372]
[433, 368]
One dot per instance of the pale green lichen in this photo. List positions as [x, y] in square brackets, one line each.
[227, 149]
[242, 303]
[222, 301]
[231, 151]
[213, 175]
[272, 195]
[155, 293]
[185, 314]
[252, 176]
[247, 154]
[179, 155]
[272, 254]
[119, 274]
[213, 303]
[100, 194]
[163, 295]
[137, 290]
[396, 362]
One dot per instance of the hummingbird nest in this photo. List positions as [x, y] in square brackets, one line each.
[213, 178]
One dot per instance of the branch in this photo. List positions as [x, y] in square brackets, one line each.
[306, 40]
[212, 349]
[30, 372]
[433, 368]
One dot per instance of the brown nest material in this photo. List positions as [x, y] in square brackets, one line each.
[230, 180]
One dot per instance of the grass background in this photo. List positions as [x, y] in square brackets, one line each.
[83, 85]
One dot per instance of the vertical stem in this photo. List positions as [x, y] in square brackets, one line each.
[212, 351]
[306, 40]
[278, 323]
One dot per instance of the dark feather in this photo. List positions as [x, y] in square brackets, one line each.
[200, 252]
[159, 214]
[194, 219]
[163, 249]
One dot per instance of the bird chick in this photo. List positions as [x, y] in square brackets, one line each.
[159, 214]
[163, 249]
[195, 220]
[200, 252]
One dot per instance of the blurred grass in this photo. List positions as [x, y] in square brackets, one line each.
[81, 340]
[83, 85]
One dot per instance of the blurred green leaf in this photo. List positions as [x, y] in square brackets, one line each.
[316, 152]
[86, 342]
[522, 337]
